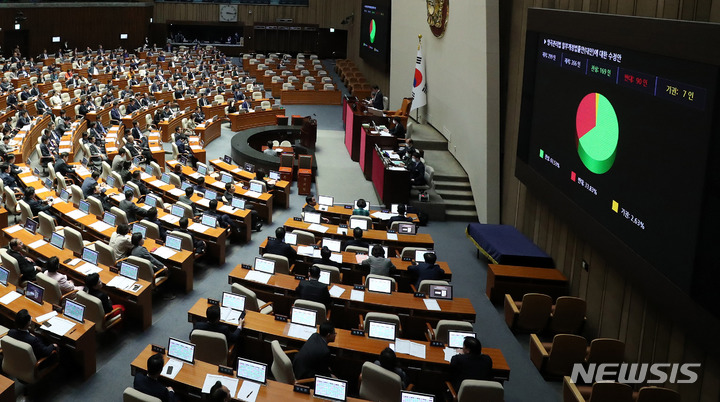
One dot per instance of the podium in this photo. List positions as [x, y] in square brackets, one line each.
[304, 174]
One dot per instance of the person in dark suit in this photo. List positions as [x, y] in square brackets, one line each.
[132, 211]
[28, 269]
[199, 245]
[62, 167]
[213, 324]
[417, 170]
[279, 247]
[140, 251]
[93, 286]
[42, 107]
[186, 199]
[135, 131]
[150, 383]
[314, 356]
[325, 255]
[151, 217]
[426, 270]
[8, 179]
[400, 216]
[376, 98]
[312, 289]
[470, 364]
[22, 333]
[36, 205]
[357, 240]
[138, 182]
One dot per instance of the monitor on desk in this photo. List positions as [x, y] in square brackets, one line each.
[64, 195]
[74, 310]
[181, 350]
[109, 218]
[332, 244]
[184, 185]
[407, 228]
[151, 201]
[303, 316]
[57, 240]
[84, 206]
[209, 220]
[47, 183]
[149, 170]
[238, 203]
[409, 396]
[90, 256]
[420, 255]
[210, 195]
[394, 209]
[165, 178]
[330, 388]
[251, 370]
[30, 225]
[233, 301]
[84, 162]
[110, 181]
[136, 161]
[128, 270]
[312, 217]
[173, 242]
[227, 159]
[274, 175]
[34, 293]
[177, 210]
[326, 200]
[264, 265]
[291, 239]
[138, 228]
[457, 338]
[256, 187]
[201, 169]
[381, 330]
[367, 206]
[324, 277]
[182, 160]
[249, 167]
[444, 292]
[358, 223]
[4, 273]
[379, 285]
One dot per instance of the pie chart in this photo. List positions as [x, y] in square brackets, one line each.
[597, 132]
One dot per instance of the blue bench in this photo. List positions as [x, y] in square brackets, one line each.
[505, 245]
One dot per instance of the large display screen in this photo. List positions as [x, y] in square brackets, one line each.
[375, 33]
[620, 134]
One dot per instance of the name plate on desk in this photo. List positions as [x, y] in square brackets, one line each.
[348, 207]
[225, 370]
[114, 270]
[301, 389]
[358, 332]
[271, 238]
[297, 219]
[245, 266]
[392, 231]
[300, 277]
[343, 226]
[282, 318]
[359, 287]
[213, 302]
[407, 258]
[418, 294]
[158, 349]
[437, 344]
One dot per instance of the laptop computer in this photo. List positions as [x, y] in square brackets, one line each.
[409, 396]
[407, 228]
[249, 167]
[128, 188]
[210, 195]
[226, 178]
[381, 330]
[184, 185]
[227, 159]
[128, 270]
[274, 175]
[57, 240]
[4, 273]
[312, 217]
[137, 228]
[440, 292]
[379, 285]
[84, 206]
[64, 195]
[358, 223]
[177, 210]
[90, 256]
[233, 301]
[209, 220]
[330, 388]
[173, 242]
[151, 200]
[303, 316]
[30, 225]
[109, 218]
[34, 293]
[181, 350]
[291, 239]
[201, 169]
[457, 338]
[264, 265]
[420, 254]
[332, 244]
[238, 203]
[326, 200]
[251, 370]
[256, 187]
[74, 310]
[110, 181]
[165, 178]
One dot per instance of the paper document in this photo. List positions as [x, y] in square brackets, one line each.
[342, 231]
[195, 175]
[230, 315]
[47, 316]
[257, 276]
[176, 192]
[336, 291]
[198, 227]
[164, 252]
[410, 348]
[228, 209]
[336, 257]
[59, 326]
[204, 202]
[317, 228]
[402, 346]
[121, 282]
[176, 365]
[305, 250]
[9, 298]
[383, 216]
[118, 197]
[431, 304]
[248, 391]
[417, 350]
[316, 253]
[157, 183]
[236, 170]
[42, 190]
[144, 176]
[449, 353]
[100, 226]
[252, 194]
[229, 382]
[75, 214]
[300, 331]
[169, 218]
[37, 243]
[30, 179]
[88, 269]
[74, 262]
[13, 229]
[357, 295]
[392, 236]
[360, 258]
[81, 171]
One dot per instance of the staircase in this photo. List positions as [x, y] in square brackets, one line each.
[457, 194]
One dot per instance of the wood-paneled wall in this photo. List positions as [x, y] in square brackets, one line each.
[616, 306]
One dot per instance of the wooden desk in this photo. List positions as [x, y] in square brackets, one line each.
[371, 236]
[209, 131]
[280, 192]
[355, 117]
[168, 126]
[413, 314]
[191, 378]
[517, 281]
[80, 341]
[139, 116]
[7, 389]
[339, 214]
[392, 185]
[311, 97]
[243, 121]
[368, 140]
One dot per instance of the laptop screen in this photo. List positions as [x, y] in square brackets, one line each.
[149, 170]
[312, 217]
[110, 181]
[4, 276]
[128, 270]
[128, 188]
[233, 301]
[249, 167]
[150, 201]
[358, 223]
[165, 178]
[379, 285]
[408, 396]
[57, 240]
[440, 292]
[210, 194]
[331, 388]
[394, 209]
[74, 310]
[274, 175]
[209, 220]
[367, 206]
[226, 178]
[420, 254]
[173, 242]
[303, 316]
[332, 244]
[34, 293]
[227, 159]
[109, 218]
[181, 350]
[90, 256]
[185, 185]
[457, 338]
[31, 225]
[252, 370]
[177, 210]
[326, 200]
[48, 184]
[85, 206]
[381, 330]
[201, 169]
[290, 238]
[264, 265]
[238, 203]
[64, 195]
[407, 228]
[256, 187]
[137, 228]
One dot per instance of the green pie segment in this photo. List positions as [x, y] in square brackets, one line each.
[597, 130]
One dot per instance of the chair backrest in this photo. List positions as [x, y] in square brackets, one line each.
[106, 254]
[282, 265]
[145, 270]
[611, 392]
[47, 224]
[93, 309]
[96, 207]
[261, 183]
[357, 249]
[120, 216]
[73, 240]
[76, 193]
[251, 301]
[409, 252]
[265, 104]
[334, 272]
[106, 169]
[175, 151]
[285, 144]
[304, 237]
[210, 347]
[568, 315]
[135, 189]
[655, 394]
[153, 231]
[52, 292]
[11, 264]
[379, 384]
[281, 367]
[565, 352]
[186, 242]
[157, 171]
[369, 223]
[425, 284]
[369, 276]
[175, 179]
[304, 161]
[479, 390]
[132, 395]
[328, 87]
[319, 308]
[18, 359]
[119, 184]
[382, 317]
[187, 208]
[443, 326]
[148, 119]
[25, 210]
[606, 350]
[257, 95]
[534, 312]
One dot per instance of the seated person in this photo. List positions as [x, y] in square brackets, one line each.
[28, 269]
[224, 221]
[89, 181]
[120, 241]
[186, 199]
[138, 182]
[360, 210]
[426, 270]
[357, 240]
[199, 245]
[279, 247]
[140, 251]
[219, 393]
[314, 356]
[151, 216]
[398, 130]
[8, 179]
[388, 361]
[310, 204]
[62, 166]
[51, 270]
[150, 383]
[470, 364]
[312, 289]
[22, 334]
[325, 254]
[36, 206]
[269, 150]
[378, 264]
[93, 286]
[132, 211]
[400, 216]
[417, 171]
[232, 336]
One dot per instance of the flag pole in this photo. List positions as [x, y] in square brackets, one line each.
[417, 111]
